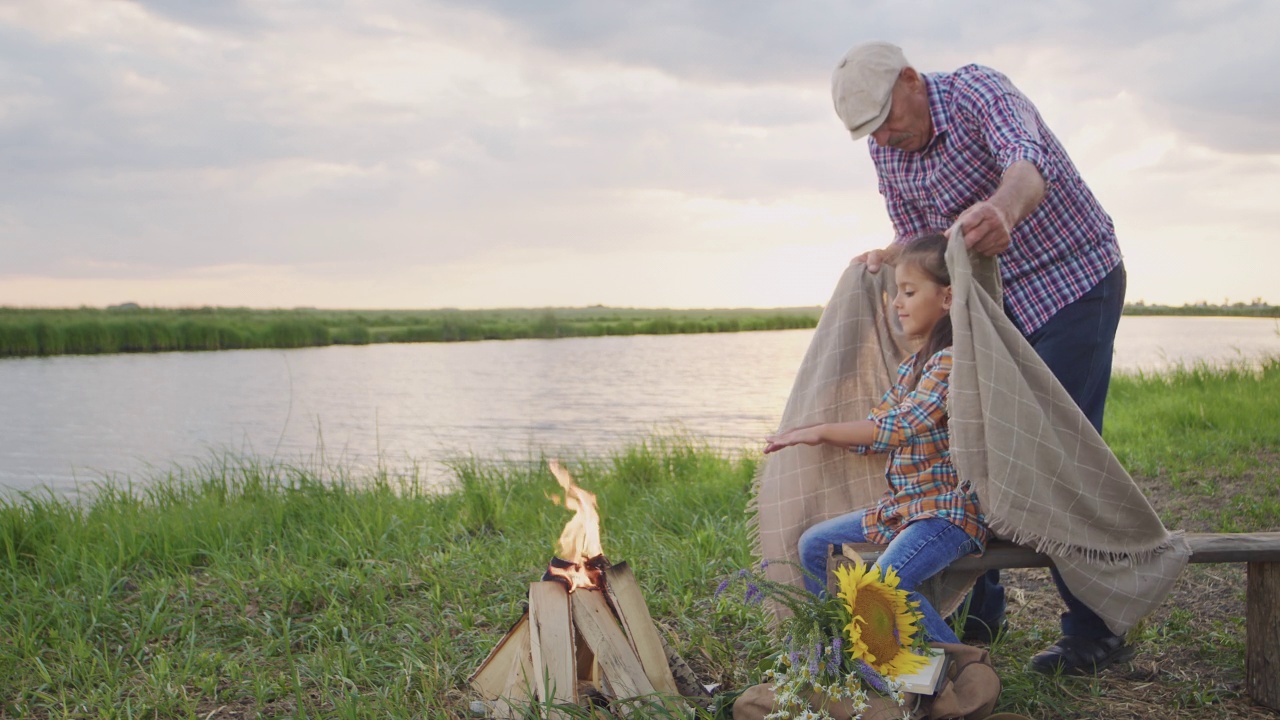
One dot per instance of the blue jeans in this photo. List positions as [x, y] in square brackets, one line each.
[1077, 344]
[919, 551]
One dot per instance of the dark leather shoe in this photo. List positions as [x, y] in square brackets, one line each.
[979, 632]
[1074, 655]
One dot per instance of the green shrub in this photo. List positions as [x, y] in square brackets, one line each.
[18, 340]
[352, 335]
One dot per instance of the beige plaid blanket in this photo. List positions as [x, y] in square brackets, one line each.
[1043, 475]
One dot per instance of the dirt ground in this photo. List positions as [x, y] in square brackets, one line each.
[1189, 660]
[1162, 679]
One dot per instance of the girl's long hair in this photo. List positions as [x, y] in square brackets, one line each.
[928, 253]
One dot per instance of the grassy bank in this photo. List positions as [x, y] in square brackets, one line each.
[1257, 308]
[241, 590]
[36, 332]
[32, 332]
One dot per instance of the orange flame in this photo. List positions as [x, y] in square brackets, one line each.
[580, 539]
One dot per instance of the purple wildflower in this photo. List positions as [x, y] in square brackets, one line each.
[764, 564]
[794, 657]
[836, 645]
[813, 661]
[871, 677]
[742, 573]
[753, 593]
[724, 585]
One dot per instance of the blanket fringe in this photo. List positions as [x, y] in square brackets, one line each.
[1172, 541]
[753, 512]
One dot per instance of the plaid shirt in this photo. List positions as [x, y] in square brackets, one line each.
[982, 124]
[912, 427]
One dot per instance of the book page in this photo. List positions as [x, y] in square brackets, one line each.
[925, 680]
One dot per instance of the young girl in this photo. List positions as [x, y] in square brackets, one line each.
[927, 517]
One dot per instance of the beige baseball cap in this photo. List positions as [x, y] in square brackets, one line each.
[862, 85]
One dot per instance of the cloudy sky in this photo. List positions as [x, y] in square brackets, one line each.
[500, 153]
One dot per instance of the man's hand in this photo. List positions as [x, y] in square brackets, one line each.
[988, 224]
[875, 258]
[986, 229]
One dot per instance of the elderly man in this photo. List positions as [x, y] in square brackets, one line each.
[968, 147]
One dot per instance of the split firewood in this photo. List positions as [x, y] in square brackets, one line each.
[618, 662]
[628, 602]
[552, 643]
[686, 680]
[490, 679]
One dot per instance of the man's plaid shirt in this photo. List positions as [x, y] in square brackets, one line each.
[911, 425]
[982, 124]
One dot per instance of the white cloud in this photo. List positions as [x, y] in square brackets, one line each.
[656, 154]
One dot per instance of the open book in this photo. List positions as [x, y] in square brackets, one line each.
[928, 679]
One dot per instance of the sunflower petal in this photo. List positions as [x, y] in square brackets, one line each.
[883, 622]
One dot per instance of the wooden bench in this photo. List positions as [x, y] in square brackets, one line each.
[1261, 551]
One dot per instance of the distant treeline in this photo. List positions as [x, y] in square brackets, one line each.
[129, 328]
[29, 332]
[1257, 308]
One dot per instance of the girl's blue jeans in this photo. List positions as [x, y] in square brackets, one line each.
[918, 552]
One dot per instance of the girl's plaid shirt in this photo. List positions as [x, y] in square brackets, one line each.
[911, 425]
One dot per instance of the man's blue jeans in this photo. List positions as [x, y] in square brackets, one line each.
[919, 551]
[1077, 344]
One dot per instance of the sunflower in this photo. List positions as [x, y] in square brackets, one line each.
[883, 623]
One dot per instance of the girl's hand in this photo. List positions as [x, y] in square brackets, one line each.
[809, 435]
[841, 435]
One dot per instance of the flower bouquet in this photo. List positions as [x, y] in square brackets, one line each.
[845, 650]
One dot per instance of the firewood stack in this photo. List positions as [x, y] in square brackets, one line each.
[589, 645]
[587, 636]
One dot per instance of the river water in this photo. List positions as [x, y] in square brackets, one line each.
[73, 420]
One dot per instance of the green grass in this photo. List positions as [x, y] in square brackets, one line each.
[31, 332]
[1176, 425]
[261, 586]
[263, 589]
[1255, 308]
[129, 328]
[1157, 422]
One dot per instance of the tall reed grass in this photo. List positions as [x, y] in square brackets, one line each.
[26, 333]
[89, 337]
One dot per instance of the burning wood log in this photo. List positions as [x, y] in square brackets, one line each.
[552, 648]
[573, 575]
[570, 647]
[588, 634]
[618, 662]
[628, 602]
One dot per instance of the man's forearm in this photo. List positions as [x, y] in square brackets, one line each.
[1020, 192]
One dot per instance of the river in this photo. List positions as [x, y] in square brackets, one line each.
[71, 421]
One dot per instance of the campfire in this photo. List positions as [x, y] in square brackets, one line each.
[587, 636]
